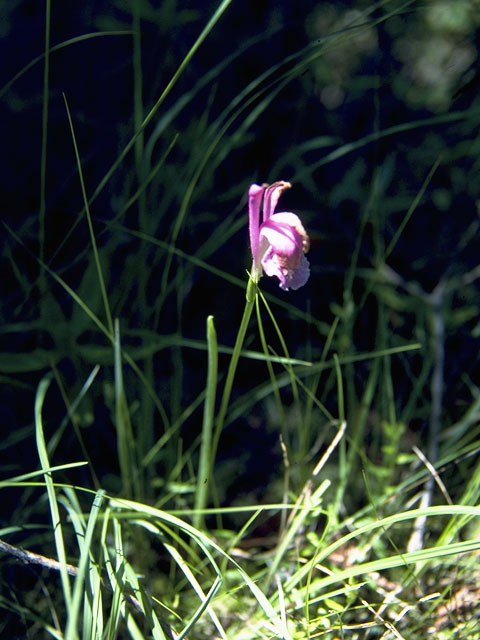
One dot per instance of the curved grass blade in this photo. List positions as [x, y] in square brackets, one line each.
[52, 498]
[58, 47]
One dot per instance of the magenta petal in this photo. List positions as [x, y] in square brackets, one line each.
[290, 278]
[282, 239]
[281, 233]
[271, 264]
[299, 276]
[280, 242]
[272, 194]
[255, 194]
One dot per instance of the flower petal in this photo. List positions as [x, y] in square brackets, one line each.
[255, 194]
[290, 277]
[282, 233]
[280, 242]
[294, 221]
[272, 194]
[282, 239]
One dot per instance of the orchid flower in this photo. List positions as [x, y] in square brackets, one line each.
[279, 243]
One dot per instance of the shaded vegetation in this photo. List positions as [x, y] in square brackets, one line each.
[341, 500]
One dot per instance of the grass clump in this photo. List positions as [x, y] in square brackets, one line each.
[191, 452]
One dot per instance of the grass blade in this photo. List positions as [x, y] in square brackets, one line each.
[206, 462]
[52, 498]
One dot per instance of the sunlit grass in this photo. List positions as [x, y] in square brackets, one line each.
[145, 531]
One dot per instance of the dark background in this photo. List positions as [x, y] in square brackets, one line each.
[351, 74]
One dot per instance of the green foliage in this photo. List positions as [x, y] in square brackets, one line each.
[352, 510]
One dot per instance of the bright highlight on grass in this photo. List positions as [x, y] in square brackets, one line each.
[197, 451]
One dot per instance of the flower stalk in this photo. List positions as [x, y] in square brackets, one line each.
[278, 244]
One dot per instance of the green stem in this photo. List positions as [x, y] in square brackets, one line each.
[205, 465]
[251, 295]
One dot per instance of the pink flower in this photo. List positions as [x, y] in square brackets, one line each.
[280, 242]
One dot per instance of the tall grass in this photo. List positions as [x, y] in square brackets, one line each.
[229, 461]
